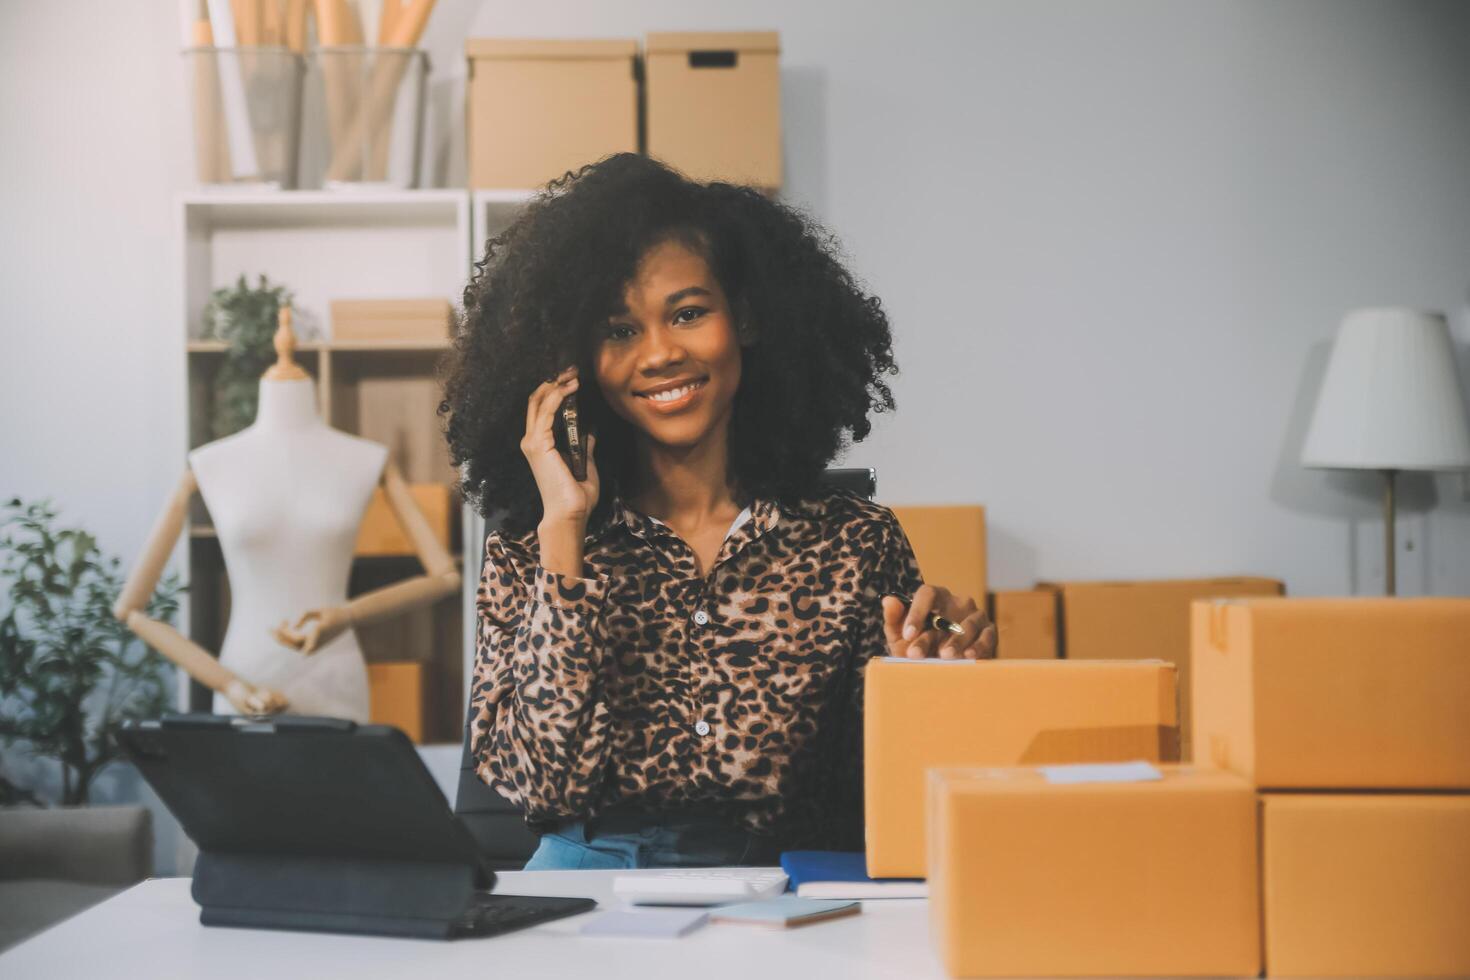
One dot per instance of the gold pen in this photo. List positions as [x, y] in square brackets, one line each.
[936, 621]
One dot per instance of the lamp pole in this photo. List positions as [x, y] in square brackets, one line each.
[1389, 587]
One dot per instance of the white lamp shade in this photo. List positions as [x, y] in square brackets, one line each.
[1390, 399]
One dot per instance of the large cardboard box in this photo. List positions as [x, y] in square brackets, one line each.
[949, 543]
[1366, 885]
[380, 534]
[1369, 693]
[1026, 621]
[1030, 877]
[539, 108]
[919, 714]
[1121, 620]
[714, 104]
[396, 696]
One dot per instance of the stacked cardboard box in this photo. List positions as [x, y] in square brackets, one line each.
[949, 544]
[1366, 704]
[921, 714]
[1068, 871]
[396, 696]
[381, 535]
[422, 321]
[537, 108]
[1143, 619]
[1026, 623]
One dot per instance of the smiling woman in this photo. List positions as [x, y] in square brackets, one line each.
[670, 650]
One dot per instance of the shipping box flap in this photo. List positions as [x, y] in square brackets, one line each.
[680, 42]
[526, 48]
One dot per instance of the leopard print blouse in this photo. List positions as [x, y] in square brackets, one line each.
[645, 684]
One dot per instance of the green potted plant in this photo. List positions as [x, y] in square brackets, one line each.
[244, 317]
[70, 673]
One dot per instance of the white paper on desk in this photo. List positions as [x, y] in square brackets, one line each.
[1101, 772]
[646, 924]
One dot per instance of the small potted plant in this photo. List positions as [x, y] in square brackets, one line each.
[244, 317]
[70, 673]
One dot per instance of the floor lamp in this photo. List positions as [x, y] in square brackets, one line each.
[1390, 401]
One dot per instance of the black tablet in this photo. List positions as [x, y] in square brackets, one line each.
[320, 823]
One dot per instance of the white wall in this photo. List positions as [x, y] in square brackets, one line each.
[1115, 239]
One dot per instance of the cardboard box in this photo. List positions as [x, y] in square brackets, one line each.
[1027, 623]
[949, 543]
[714, 105]
[1148, 619]
[536, 109]
[396, 696]
[919, 714]
[1369, 885]
[380, 535]
[415, 320]
[1362, 693]
[1098, 879]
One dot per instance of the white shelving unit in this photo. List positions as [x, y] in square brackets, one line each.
[324, 246]
[491, 212]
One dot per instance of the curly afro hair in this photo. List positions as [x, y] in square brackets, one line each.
[815, 346]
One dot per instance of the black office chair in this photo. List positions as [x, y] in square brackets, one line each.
[496, 823]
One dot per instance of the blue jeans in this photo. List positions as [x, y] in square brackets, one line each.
[648, 840]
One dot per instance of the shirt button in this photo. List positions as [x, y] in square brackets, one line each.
[701, 727]
[701, 618]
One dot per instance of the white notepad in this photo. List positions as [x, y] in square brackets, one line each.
[647, 923]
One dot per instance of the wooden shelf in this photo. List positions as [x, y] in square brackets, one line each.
[303, 209]
[335, 346]
[325, 245]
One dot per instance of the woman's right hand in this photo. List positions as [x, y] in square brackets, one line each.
[564, 499]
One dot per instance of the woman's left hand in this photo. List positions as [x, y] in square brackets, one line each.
[315, 629]
[909, 635]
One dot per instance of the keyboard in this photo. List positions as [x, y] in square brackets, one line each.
[700, 886]
[492, 914]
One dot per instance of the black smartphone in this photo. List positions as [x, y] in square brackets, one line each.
[569, 441]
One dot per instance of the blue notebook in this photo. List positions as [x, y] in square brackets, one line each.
[843, 874]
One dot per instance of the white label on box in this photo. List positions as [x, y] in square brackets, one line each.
[1102, 772]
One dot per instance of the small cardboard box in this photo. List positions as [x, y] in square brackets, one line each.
[1149, 619]
[919, 714]
[714, 105]
[1370, 885]
[380, 535]
[539, 108]
[1030, 877]
[1363, 693]
[949, 543]
[378, 320]
[1026, 621]
[396, 696]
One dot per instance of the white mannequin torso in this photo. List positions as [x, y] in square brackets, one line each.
[287, 496]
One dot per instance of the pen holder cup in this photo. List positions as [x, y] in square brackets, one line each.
[247, 111]
[364, 117]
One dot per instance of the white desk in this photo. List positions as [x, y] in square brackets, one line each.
[152, 931]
